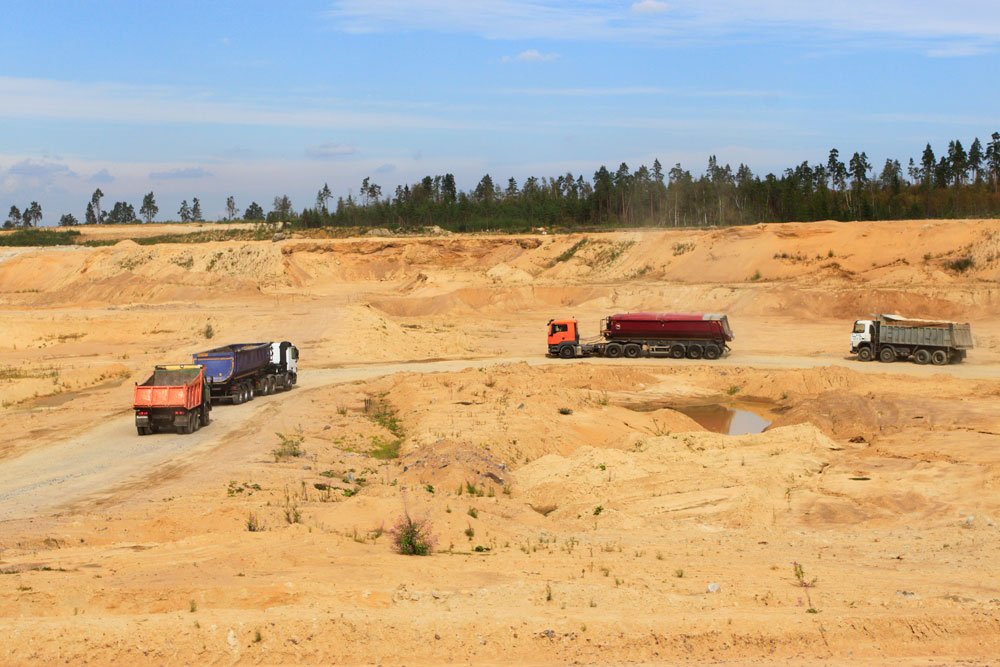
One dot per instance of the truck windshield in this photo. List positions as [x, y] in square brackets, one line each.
[559, 328]
[860, 327]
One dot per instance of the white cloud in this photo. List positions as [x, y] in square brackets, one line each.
[182, 173]
[649, 7]
[903, 22]
[530, 56]
[330, 150]
[114, 102]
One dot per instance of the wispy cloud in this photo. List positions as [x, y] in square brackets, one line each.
[114, 102]
[530, 56]
[649, 7]
[919, 25]
[182, 173]
[39, 169]
[626, 91]
[330, 150]
[102, 176]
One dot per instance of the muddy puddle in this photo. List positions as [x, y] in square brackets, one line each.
[715, 417]
[725, 419]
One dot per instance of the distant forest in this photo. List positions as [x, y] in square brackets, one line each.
[958, 183]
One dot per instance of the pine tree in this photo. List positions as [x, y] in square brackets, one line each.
[185, 211]
[196, 211]
[231, 210]
[149, 209]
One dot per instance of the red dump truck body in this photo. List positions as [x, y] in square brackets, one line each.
[633, 335]
[173, 396]
[655, 326]
[169, 387]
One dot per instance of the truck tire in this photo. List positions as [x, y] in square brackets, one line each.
[185, 428]
[865, 354]
[887, 355]
[567, 352]
[205, 416]
[194, 422]
[613, 350]
[939, 357]
[922, 357]
[251, 392]
[712, 352]
[677, 351]
[143, 430]
[632, 351]
[694, 352]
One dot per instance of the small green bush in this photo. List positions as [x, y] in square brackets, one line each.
[412, 537]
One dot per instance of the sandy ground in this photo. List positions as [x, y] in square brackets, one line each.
[579, 514]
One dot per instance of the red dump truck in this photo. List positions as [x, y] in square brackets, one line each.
[173, 397]
[632, 335]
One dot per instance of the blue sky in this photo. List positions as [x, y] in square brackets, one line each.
[257, 99]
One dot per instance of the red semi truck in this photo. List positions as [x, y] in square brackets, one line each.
[632, 335]
[173, 397]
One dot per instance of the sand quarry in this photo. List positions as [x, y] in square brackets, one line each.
[580, 514]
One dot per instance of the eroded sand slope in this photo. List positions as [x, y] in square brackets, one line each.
[578, 513]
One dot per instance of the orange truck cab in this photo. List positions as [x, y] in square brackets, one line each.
[563, 335]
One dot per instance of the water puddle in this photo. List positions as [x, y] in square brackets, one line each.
[725, 419]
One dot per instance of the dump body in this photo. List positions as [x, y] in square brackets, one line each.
[892, 338]
[632, 335]
[239, 372]
[170, 387]
[173, 397]
[232, 362]
[658, 326]
[953, 335]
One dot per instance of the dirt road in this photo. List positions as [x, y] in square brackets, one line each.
[92, 465]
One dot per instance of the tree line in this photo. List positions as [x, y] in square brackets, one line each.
[958, 183]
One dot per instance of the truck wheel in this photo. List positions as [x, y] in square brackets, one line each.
[251, 392]
[939, 358]
[185, 428]
[887, 355]
[567, 352]
[865, 354]
[206, 416]
[677, 351]
[632, 351]
[712, 352]
[143, 430]
[922, 357]
[694, 352]
[613, 350]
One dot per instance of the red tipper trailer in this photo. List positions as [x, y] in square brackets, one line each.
[173, 396]
[657, 326]
[632, 335]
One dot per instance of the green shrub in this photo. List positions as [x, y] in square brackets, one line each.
[412, 537]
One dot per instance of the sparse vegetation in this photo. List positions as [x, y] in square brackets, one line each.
[209, 331]
[734, 389]
[565, 411]
[412, 537]
[288, 447]
[253, 524]
[960, 265]
[39, 237]
[566, 255]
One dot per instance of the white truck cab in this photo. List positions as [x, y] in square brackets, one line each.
[862, 333]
